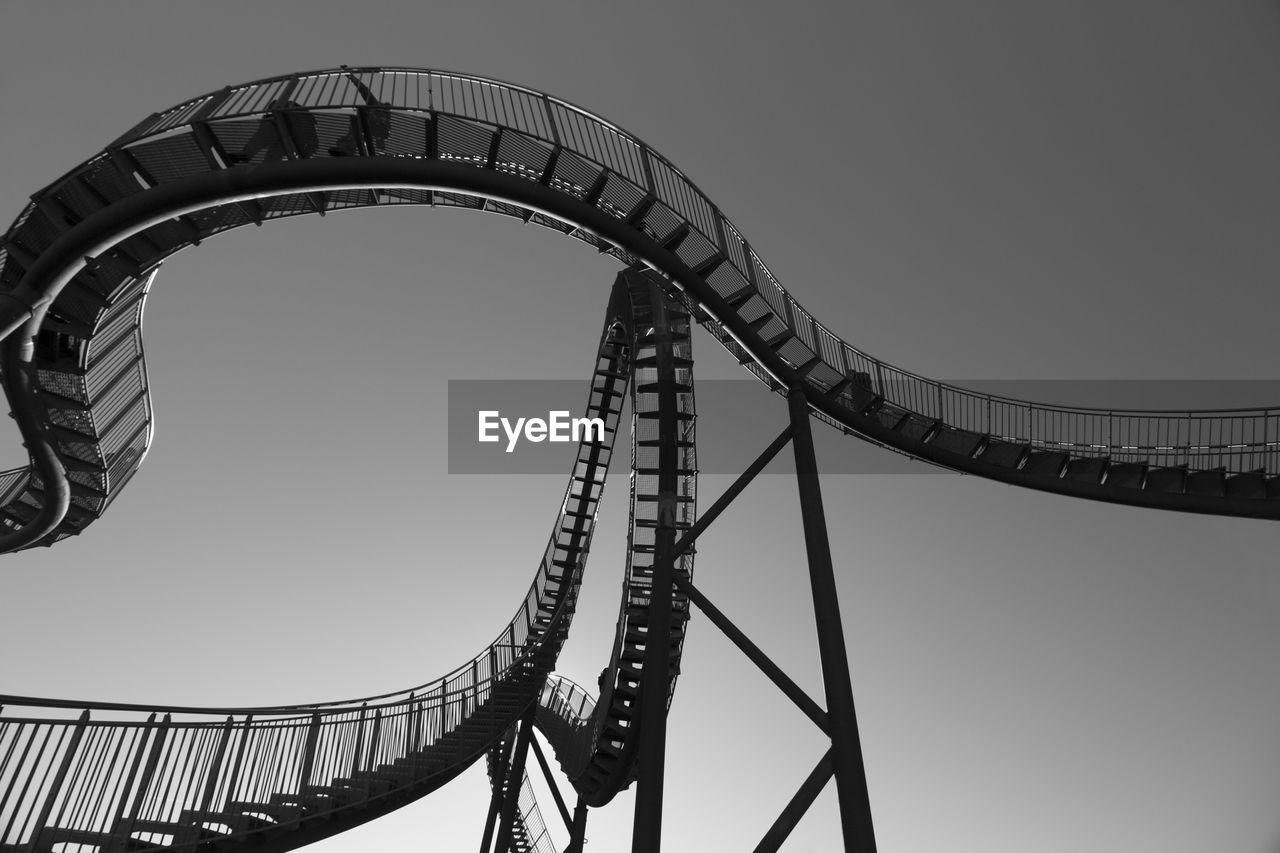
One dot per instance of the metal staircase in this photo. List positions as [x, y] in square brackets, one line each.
[75, 268]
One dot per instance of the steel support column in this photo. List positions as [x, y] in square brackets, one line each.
[846, 748]
[578, 837]
[501, 759]
[515, 778]
[646, 835]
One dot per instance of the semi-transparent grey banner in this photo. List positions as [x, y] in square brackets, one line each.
[523, 426]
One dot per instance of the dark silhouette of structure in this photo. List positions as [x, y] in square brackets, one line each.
[75, 269]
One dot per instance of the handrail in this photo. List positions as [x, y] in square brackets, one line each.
[1238, 438]
[434, 690]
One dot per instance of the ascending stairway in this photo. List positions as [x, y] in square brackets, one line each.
[172, 784]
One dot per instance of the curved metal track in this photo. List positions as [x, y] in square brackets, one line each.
[74, 272]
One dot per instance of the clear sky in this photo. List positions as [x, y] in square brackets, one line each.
[988, 190]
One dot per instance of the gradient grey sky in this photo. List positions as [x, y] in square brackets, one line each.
[1003, 190]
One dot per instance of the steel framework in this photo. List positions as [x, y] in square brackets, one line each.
[75, 269]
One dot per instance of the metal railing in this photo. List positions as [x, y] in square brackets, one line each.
[567, 715]
[110, 769]
[1238, 439]
[115, 766]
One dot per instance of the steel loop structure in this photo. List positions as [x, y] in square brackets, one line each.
[75, 270]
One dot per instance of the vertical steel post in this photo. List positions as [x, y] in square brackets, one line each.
[515, 777]
[851, 775]
[500, 762]
[215, 768]
[646, 834]
[138, 750]
[414, 740]
[309, 752]
[148, 773]
[355, 754]
[55, 787]
[579, 835]
[241, 748]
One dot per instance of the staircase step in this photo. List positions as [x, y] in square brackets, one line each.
[1086, 470]
[421, 767]
[1251, 485]
[394, 777]
[1212, 483]
[1046, 463]
[1003, 453]
[958, 441]
[1126, 475]
[182, 833]
[1171, 479]
[889, 416]
[312, 805]
[916, 427]
[339, 794]
[236, 821]
[374, 786]
[51, 836]
[282, 812]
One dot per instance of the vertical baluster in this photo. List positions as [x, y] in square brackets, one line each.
[1266, 441]
[373, 741]
[184, 757]
[138, 747]
[55, 787]
[309, 751]
[355, 757]
[22, 762]
[444, 702]
[551, 120]
[475, 685]
[215, 765]
[234, 777]
[153, 760]
[414, 740]
[1187, 443]
[109, 793]
[90, 765]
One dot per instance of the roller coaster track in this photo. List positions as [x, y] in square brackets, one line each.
[75, 269]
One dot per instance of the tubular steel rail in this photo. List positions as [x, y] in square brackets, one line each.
[75, 268]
